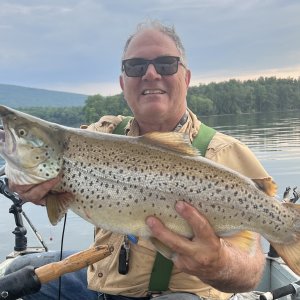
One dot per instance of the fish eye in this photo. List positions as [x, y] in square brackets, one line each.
[22, 132]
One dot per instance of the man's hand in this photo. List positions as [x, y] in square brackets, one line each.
[204, 254]
[34, 193]
[209, 257]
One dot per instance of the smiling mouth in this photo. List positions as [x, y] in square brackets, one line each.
[152, 92]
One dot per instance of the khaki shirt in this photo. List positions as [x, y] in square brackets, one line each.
[103, 276]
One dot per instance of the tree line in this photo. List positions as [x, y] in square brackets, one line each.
[229, 97]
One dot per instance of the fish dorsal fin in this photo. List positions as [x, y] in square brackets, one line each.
[173, 141]
[244, 240]
[267, 185]
[57, 205]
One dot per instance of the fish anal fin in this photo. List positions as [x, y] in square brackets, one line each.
[57, 205]
[161, 248]
[173, 141]
[243, 240]
[267, 185]
[290, 253]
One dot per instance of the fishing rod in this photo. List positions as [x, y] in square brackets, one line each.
[289, 289]
[28, 280]
[20, 231]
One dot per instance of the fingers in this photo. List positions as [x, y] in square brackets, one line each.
[200, 225]
[174, 241]
[34, 193]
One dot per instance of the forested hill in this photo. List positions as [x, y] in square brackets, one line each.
[17, 96]
[228, 97]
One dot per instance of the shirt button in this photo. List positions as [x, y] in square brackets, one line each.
[100, 274]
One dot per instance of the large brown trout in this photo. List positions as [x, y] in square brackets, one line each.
[115, 182]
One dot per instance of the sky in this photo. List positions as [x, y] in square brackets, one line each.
[76, 45]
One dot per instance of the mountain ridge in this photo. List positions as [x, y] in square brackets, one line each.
[16, 96]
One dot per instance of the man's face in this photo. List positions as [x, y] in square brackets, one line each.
[155, 97]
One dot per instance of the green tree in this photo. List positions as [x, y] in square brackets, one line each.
[200, 105]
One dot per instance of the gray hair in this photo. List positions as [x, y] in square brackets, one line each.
[167, 30]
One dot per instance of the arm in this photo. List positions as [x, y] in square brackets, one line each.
[212, 259]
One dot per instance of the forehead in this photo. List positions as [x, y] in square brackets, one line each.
[150, 43]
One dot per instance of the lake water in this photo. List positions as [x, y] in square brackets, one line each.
[273, 137]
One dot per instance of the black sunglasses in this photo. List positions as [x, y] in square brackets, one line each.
[164, 65]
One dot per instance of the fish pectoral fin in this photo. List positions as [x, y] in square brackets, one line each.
[243, 240]
[290, 253]
[161, 248]
[57, 205]
[173, 141]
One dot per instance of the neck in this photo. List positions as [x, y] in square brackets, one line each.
[165, 126]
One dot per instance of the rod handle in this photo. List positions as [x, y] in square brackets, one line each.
[72, 263]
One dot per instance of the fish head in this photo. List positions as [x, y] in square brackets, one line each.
[31, 147]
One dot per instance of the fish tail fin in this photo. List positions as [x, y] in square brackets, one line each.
[290, 253]
[57, 205]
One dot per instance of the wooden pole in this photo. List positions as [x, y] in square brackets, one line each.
[72, 263]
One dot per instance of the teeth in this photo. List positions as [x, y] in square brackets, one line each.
[147, 92]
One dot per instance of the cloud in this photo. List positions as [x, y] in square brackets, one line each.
[79, 42]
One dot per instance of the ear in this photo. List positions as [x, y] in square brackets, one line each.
[187, 77]
[121, 80]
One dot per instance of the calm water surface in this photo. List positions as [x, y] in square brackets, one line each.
[274, 138]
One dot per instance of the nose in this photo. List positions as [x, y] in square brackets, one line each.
[151, 73]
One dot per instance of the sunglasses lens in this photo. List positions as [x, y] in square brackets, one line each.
[135, 67]
[164, 65]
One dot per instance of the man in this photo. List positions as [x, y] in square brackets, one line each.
[155, 81]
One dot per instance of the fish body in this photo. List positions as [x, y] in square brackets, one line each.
[115, 182]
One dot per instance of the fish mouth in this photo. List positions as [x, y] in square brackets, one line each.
[8, 143]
